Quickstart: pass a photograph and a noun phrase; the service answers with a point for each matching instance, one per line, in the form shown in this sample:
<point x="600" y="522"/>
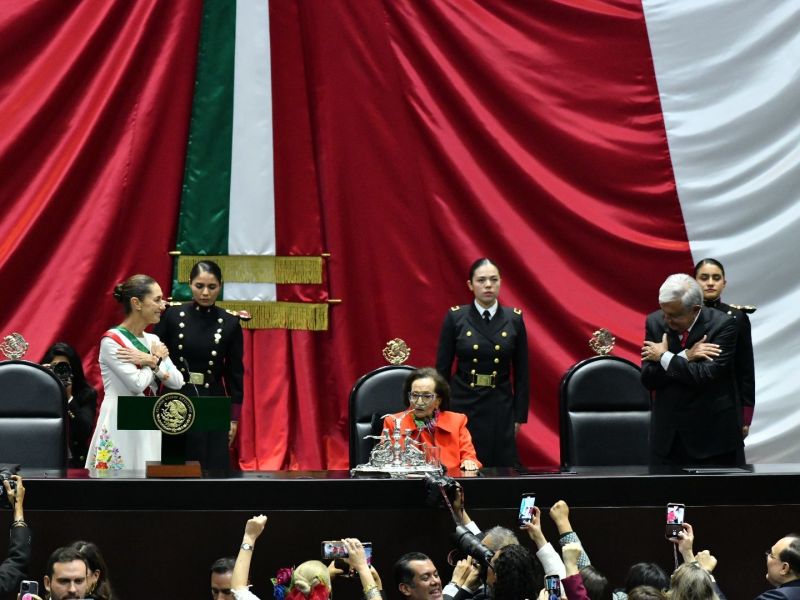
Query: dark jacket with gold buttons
<point x="210" y="341"/>
<point x="489" y="357"/>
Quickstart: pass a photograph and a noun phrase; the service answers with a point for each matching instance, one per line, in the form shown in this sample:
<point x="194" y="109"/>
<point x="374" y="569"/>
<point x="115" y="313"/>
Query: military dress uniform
<point x="487" y="356"/>
<point x="208" y="340"/>
<point x="743" y="363"/>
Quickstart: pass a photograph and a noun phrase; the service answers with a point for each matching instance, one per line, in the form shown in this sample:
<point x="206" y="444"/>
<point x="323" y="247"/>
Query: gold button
<point x="496" y="360"/>
<point x="472" y="372"/>
<point x="504" y="334"/>
<point x="474" y="360"/>
<point x="180" y="346"/>
<point x="469" y="333"/>
<point x="497" y="347"/>
<point x="494" y="373"/>
<point x="180" y="336"/>
<point x="475" y="347"/>
<point x="211" y="362"/>
<point x="471" y="385"/>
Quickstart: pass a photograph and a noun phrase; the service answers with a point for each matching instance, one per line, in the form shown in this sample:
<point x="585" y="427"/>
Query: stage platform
<point x="159" y="535"/>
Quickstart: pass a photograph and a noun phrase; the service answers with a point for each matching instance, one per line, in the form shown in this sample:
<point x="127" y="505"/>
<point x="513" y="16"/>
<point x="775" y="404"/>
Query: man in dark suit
<point x="687" y="362"/>
<point x="783" y="569"/>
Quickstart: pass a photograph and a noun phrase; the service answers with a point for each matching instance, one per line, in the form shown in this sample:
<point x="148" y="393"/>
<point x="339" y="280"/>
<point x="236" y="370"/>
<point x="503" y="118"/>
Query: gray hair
<point x="499" y="537"/>
<point x="683" y="287"/>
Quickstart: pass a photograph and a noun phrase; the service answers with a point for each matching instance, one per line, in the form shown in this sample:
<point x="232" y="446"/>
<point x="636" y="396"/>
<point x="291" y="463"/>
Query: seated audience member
<point x="67" y="575"/>
<point x="643" y="574"/>
<point x="13" y="568"/>
<point x="99" y="583"/>
<point x="427" y="394"/>
<point x="81" y="399"/>
<point x="691" y="582"/>
<point x="513" y="574"/>
<point x="417" y="577"/>
<point x="646" y="592"/>
<point x="596" y="584"/>
<point x="783" y="569"/>
<point x="221" y="573"/>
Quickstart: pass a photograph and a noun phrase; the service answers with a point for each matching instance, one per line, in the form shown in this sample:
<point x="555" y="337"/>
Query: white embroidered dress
<point x="112" y="448"/>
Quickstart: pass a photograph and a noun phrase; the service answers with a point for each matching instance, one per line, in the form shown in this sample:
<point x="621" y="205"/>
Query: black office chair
<point x="33" y="410"/>
<point x="605" y="414"/>
<point x="377" y="393"/>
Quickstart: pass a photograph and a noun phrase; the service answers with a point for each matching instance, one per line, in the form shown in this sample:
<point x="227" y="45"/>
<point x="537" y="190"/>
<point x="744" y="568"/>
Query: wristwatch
<point x="246" y="546"/>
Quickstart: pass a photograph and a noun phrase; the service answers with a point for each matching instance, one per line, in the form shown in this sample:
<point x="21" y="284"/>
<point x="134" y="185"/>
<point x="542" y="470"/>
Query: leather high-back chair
<point x="605" y="414"/>
<point x="33" y="409"/>
<point x="377" y="393"/>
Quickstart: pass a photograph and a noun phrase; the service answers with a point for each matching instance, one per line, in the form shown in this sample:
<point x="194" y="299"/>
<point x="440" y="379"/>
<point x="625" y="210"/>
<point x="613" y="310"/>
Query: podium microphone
<point x="189" y="373"/>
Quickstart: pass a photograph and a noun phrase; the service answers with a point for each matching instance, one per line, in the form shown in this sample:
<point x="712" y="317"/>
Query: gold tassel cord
<point x="281" y="315"/>
<point x="259" y="269"/>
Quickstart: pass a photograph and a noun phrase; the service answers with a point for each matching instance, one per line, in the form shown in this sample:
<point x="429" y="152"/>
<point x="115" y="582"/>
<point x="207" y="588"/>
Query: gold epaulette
<point x="517" y="311"/>
<point x="242" y="315"/>
<point x="745" y="308"/>
<point x="455" y="308"/>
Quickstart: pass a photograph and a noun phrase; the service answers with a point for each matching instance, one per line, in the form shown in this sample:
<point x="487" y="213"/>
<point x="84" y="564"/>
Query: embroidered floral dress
<point x="111" y="448"/>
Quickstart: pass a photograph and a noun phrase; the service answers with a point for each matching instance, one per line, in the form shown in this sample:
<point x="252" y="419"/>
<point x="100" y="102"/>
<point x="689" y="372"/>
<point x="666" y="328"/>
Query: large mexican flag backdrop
<point x="589" y="148"/>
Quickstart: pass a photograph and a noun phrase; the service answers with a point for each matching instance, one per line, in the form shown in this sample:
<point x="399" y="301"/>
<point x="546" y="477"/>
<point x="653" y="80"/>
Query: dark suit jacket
<point x="788" y="591"/>
<point x="694" y="401"/>
<point x="12" y="571"/>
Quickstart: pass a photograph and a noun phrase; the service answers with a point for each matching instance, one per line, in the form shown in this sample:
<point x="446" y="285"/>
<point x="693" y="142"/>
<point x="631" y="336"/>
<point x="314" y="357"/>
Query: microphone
<point x="188" y="372"/>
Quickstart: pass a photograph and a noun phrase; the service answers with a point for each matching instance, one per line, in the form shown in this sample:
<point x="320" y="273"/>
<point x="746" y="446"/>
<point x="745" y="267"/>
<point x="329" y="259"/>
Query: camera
<point x="435" y="485"/>
<point x="468" y="544"/>
<point x="5" y="475"/>
<point x="63" y="371"/>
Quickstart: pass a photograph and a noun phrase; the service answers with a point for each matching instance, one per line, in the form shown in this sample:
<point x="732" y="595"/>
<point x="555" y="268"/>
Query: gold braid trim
<point x="281" y="315"/>
<point x="259" y="269"/>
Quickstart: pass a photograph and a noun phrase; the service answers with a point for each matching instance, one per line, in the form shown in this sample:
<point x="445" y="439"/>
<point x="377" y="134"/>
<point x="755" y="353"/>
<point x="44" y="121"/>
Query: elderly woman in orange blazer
<point x="427" y="394"/>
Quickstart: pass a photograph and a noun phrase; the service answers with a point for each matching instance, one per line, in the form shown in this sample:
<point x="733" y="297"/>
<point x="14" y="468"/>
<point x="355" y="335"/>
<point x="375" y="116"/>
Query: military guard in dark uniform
<point x="205" y="343"/>
<point x="710" y="274"/>
<point x="490" y="345"/>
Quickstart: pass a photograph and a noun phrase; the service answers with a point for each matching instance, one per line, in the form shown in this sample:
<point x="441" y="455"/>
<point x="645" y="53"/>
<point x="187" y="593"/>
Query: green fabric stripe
<point x="203" y="218"/>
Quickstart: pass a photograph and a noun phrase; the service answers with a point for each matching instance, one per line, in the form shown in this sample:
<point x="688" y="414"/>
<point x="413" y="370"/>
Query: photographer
<point x="12" y="571"/>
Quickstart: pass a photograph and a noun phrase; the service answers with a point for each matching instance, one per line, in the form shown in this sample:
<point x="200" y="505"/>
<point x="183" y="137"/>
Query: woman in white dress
<point x="132" y="363"/>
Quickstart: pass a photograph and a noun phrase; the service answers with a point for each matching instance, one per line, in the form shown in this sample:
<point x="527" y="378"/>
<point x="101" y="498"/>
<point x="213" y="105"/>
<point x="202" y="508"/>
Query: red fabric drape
<point x="440" y="132"/>
<point x="94" y="105"/>
<point x="410" y="138"/>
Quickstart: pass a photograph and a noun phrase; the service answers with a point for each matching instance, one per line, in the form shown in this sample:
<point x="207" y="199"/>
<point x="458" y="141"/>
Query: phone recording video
<point x="526" y="508"/>
<point x="28" y="588"/>
<point x="675" y="515"/>
<point x="335" y="550"/>
<point x="553" y="586"/>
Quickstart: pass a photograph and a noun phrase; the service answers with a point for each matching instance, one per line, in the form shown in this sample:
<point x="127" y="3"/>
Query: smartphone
<point x="675" y="514"/>
<point x="553" y="586"/>
<point x="526" y="508"/>
<point x="28" y="587"/>
<point x="334" y="549"/>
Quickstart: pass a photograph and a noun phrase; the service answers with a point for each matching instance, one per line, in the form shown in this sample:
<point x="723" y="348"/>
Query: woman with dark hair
<point x="206" y="343"/>
<point x="99" y="585"/>
<point x="81" y="399"/>
<point x="710" y="274"/>
<point x="132" y="362"/>
<point x="427" y="396"/>
<point x="513" y="575"/>
<point x="490" y="384"/>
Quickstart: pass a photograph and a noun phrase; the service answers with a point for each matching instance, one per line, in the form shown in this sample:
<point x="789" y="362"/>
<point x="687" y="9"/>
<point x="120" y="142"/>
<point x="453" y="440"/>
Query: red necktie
<point x="684" y="338"/>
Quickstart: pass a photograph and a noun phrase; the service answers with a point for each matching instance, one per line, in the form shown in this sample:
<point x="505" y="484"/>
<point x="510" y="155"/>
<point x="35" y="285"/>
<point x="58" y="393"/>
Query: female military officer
<point x="205" y="342"/>
<point x="490" y="384"/>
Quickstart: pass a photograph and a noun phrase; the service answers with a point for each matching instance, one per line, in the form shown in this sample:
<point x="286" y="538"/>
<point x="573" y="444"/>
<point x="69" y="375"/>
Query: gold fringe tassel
<point x="281" y="315"/>
<point x="259" y="269"/>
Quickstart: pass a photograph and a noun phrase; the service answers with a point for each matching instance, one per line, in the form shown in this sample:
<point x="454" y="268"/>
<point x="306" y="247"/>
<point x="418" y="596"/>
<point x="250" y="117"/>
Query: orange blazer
<point x="451" y="436"/>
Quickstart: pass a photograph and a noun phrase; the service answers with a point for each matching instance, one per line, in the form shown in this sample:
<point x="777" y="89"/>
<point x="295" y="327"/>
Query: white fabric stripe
<point x="251" y="224"/>
<point x="728" y="74"/>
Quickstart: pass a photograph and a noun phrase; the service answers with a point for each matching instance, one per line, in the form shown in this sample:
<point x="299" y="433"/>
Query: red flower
<point x="283" y="576"/>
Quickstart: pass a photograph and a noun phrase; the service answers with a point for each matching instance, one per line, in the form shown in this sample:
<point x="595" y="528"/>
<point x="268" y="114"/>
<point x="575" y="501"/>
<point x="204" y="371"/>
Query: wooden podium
<point x="211" y="413"/>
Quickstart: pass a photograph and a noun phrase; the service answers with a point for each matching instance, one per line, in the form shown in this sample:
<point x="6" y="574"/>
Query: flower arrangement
<point x="281" y="582"/>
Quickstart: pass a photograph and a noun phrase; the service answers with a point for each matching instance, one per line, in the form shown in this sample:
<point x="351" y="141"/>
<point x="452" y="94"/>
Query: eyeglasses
<point x="426" y="398"/>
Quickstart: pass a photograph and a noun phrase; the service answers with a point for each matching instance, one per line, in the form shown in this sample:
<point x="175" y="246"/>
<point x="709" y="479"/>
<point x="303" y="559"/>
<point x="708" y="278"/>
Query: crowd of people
<point x="497" y="564"/>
